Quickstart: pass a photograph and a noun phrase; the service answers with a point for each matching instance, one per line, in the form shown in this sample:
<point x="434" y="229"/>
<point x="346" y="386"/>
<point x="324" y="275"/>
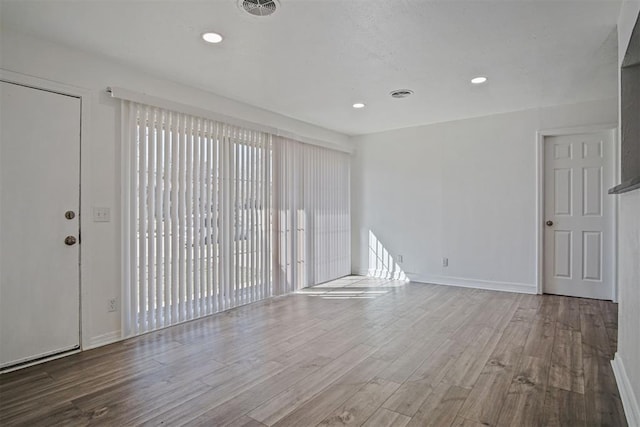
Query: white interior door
<point x="578" y="238"/>
<point x="39" y="183"/>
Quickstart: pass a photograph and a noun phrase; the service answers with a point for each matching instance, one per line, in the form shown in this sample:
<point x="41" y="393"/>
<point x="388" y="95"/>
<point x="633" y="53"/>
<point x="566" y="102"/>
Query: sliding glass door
<point x="216" y="216"/>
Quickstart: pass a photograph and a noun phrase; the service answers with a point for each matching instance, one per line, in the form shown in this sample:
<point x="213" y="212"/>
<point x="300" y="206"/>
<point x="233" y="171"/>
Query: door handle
<point x="69" y="240"/>
<point x="549" y="223"/>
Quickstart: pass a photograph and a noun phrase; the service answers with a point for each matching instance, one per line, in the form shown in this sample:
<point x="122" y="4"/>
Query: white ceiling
<point x="314" y="58"/>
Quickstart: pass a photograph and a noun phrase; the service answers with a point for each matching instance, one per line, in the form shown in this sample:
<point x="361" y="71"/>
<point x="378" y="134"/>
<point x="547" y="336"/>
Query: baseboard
<point x="386" y="274"/>
<point x="104" y="339"/>
<point x="521" y="288"/>
<point x="627" y="395"/>
<point x="39" y="361"/>
<point x="381" y="274"/>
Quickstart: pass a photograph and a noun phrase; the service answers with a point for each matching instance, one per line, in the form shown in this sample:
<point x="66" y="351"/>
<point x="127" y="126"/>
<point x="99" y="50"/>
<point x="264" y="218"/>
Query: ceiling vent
<point x="259" y="7"/>
<point x="401" y="93"/>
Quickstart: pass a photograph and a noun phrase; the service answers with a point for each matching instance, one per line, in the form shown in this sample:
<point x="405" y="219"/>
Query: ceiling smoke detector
<point x="401" y="93"/>
<point x="259" y="7"/>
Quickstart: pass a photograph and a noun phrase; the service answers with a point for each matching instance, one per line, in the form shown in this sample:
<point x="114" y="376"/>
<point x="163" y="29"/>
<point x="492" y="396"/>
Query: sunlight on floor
<point x="353" y="287"/>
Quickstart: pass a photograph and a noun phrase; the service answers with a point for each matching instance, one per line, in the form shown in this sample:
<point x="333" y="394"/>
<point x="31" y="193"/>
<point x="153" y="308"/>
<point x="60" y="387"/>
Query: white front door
<point x="578" y="238"/>
<point x="39" y="184"/>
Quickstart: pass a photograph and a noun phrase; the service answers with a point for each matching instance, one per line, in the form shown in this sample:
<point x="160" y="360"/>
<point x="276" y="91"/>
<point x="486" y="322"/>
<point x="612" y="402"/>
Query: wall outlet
<point x="112" y="305"/>
<point x="445" y="262"/>
<point x="399" y="259"/>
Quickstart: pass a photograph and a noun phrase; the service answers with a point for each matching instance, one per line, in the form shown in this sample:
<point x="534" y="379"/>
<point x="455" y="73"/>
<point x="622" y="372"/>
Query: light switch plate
<point x="101" y="214"/>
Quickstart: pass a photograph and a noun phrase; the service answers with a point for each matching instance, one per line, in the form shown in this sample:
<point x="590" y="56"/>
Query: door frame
<point x="85" y="118"/>
<point x="540" y="165"/>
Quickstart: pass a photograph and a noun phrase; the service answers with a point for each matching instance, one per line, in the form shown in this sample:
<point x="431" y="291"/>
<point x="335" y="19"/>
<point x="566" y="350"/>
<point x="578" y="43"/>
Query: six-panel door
<point x="578" y="249"/>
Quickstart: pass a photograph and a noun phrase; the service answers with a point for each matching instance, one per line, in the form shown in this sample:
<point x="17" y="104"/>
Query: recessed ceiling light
<point x="212" y="37"/>
<point x="478" y="80"/>
<point x="358" y="105"/>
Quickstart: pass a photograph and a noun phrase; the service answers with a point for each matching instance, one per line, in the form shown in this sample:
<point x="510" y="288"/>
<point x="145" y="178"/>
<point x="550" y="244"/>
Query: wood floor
<point x="354" y="352"/>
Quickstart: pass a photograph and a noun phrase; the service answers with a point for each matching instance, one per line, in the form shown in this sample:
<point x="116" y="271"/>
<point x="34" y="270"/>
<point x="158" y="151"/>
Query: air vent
<point x="259" y="7"/>
<point x="401" y="93"/>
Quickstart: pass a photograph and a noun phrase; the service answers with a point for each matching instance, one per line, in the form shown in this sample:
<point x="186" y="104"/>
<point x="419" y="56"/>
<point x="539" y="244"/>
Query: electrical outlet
<point x="399" y="259"/>
<point x="445" y="262"/>
<point x="112" y="305"/>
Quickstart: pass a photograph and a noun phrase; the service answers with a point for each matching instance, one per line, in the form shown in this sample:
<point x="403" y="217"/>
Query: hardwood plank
<point x="362" y="404"/>
<point x="326" y="401"/>
<point x="139" y="410"/>
<point x="286" y="402"/>
<point x="409" y="361"/>
<point x="569" y="314"/>
<point x="124" y="400"/>
<point x="222" y="388"/>
<point x="226" y="411"/>
<point x="503" y="308"/>
<point x="549" y="306"/>
<point x="65" y="414"/>
<point x="524" y="402"/>
<point x="245" y="421"/>
<point x="30" y="406"/>
<point x="386" y="418"/>
<point x="563" y="408"/>
<point x="24" y="386"/>
<point x="240" y="373"/>
<point x="409" y="397"/>
<point x="439" y="362"/>
<point x="530" y="301"/>
<point x="540" y="340"/>
<point x="595" y="341"/>
<point x="30" y="377"/>
<point x="487" y="395"/>
<point x="466" y="369"/>
<point x="441" y="407"/>
<point x="412" y="393"/>
<point x="602" y="399"/>
<point x="566" y="371"/>
<point x="463" y="422"/>
<point x="609" y="312"/>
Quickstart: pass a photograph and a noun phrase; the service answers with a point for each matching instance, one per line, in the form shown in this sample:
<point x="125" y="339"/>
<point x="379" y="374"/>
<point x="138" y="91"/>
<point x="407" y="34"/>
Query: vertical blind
<point x="312" y="216"/>
<point x="216" y="216"/>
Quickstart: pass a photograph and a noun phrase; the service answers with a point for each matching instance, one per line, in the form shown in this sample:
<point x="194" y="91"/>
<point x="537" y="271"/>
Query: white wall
<point x="627" y="361"/>
<point x="465" y="190"/>
<point x="101" y="177"/>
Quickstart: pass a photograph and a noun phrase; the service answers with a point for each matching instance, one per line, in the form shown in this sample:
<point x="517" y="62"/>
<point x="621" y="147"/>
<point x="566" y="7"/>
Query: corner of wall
<point x="488" y="285"/>
<point x="102" y="340"/>
<point x="627" y="395"/>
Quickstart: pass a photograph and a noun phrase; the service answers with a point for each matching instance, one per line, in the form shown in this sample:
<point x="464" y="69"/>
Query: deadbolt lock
<point x="70" y="241"/>
<point x="69" y="214"/>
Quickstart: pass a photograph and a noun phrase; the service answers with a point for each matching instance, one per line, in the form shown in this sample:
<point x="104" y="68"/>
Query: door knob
<point x="70" y="241"/>
<point x="549" y="223"/>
